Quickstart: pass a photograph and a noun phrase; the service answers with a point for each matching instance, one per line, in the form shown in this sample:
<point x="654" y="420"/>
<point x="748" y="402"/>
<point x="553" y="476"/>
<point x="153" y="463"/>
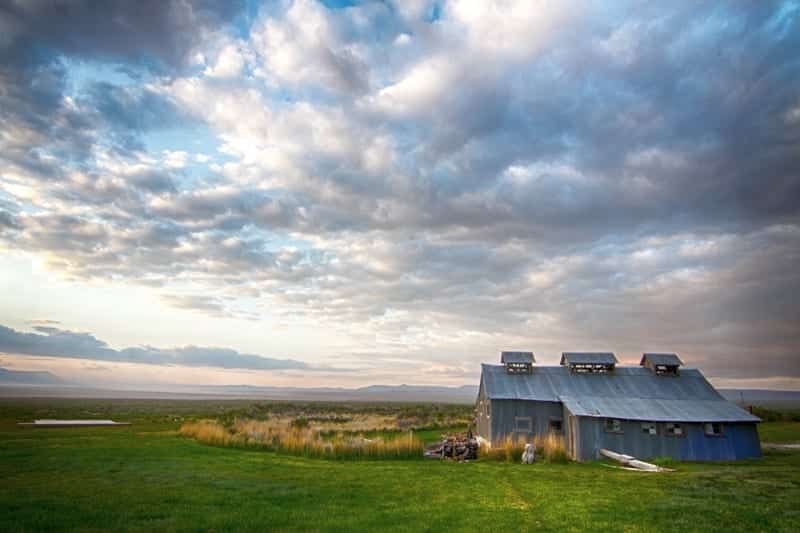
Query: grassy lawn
<point x="780" y="432"/>
<point x="144" y="478"/>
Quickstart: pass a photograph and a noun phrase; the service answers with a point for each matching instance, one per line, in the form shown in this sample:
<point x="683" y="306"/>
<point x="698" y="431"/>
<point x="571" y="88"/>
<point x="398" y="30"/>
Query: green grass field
<point x="146" y="478"/>
<point x="780" y="432"/>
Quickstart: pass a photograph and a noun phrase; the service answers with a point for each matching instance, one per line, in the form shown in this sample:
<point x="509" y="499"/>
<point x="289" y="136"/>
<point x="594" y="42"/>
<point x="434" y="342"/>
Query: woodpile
<point x="460" y="447"/>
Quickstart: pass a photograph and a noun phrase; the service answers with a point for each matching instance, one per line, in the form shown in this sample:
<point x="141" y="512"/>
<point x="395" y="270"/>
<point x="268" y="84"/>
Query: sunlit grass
<point x="144" y="477"/>
<point x="302" y="440"/>
<point x="550" y="448"/>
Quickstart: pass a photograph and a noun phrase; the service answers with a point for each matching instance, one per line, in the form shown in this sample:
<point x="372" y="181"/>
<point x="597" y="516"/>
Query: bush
<point x="300" y="422"/>
<point x="770" y="415"/>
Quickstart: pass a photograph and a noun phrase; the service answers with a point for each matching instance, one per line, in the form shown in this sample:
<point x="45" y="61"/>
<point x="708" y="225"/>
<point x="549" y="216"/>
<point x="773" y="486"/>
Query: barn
<point x="655" y="409"/>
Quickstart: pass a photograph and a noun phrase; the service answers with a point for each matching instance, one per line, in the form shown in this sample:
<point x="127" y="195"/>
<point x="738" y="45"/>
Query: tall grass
<point x="301" y="440"/>
<point x="211" y="432"/>
<point x="549" y="448"/>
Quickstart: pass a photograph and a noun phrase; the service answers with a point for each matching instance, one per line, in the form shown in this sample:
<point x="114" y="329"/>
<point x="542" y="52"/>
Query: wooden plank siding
<point x="505" y="412"/>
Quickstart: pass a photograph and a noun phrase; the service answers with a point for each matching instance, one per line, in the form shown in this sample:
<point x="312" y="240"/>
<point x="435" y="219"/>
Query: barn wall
<point x="505" y="411"/>
<point x="483" y="427"/>
<point x="570" y="429"/>
<point x="738" y="442"/>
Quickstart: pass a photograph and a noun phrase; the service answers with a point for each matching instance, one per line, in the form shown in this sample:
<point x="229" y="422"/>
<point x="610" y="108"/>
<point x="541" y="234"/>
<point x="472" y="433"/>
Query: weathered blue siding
<point x="482" y="408"/>
<point x="504" y="412"/>
<point x="739" y="441"/>
<point x="636" y="396"/>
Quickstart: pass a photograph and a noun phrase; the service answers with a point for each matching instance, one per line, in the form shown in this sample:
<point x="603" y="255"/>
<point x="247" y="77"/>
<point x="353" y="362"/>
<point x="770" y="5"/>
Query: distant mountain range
<point x="30" y="384"/>
<point x="44" y="384"/>
<point x="17" y="377"/>
<point x="763" y="398"/>
<point x="388" y="393"/>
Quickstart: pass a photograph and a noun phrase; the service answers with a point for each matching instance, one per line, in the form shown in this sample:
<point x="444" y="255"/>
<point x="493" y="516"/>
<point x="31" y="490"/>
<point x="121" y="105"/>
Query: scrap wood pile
<point x="461" y="447"/>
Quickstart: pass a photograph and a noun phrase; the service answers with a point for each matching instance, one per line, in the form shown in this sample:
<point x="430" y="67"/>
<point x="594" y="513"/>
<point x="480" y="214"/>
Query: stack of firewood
<point x="461" y="447"/>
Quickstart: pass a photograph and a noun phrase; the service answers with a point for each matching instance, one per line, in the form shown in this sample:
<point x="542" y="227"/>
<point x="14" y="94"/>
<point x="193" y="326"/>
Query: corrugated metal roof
<point x="669" y="359"/>
<point x="658" y="410"/>
<point x="595" y="358"/>
<point x="517" y="357"/>
<point x="623" y="386"/>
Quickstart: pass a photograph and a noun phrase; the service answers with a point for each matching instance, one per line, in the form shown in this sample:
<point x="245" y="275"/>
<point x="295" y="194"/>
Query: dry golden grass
<point x="280" y="436"/>
<point x="353" y="423"/>
<point x="209" y="431"/>
<point x="549" y="448"/>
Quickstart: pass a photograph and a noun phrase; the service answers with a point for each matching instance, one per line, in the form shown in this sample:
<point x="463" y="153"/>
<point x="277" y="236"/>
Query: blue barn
<point x="655" y="409"/>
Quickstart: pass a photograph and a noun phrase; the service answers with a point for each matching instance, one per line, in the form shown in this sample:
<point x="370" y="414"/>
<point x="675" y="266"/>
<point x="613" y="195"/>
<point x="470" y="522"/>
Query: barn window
<point x="649" y="428"/>
<point x="613" y="425"/>
<point x="591" y="368"/>
<point x="713" y="429"/>
<point x="519" y="368"/>
<point x="555" y="425"/>
<point x="523" y="424"/>
<point x="666" y="370"/>
<point x="674" y="430"/>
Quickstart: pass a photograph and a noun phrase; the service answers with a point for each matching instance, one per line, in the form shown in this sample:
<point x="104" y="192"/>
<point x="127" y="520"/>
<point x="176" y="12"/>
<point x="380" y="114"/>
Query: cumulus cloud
<point x="304" y="46"/>
<point x="429" y="178"/>
<point x="165" y="31"/>
<point x="55" y="342"/>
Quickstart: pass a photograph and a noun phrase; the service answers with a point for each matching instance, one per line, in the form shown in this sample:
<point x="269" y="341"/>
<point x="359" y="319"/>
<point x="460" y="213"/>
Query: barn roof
<point x="668" y="359"/>
<point x="517" y="357"/>
<point x="594" y="358"/>
<point x="658" y="410"/>
<point x="637" y="389"/>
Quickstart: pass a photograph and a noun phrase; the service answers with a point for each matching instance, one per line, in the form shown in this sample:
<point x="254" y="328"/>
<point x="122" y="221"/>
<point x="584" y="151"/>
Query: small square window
<point x="555" y="425"/>
<point x="713" y="429"/>
<point x="649" y="428"/>
<point x="519" y="368"/>
<point x="523" y="424"/>
<point x="613" y="425"/>
<point x="674" y="430"/>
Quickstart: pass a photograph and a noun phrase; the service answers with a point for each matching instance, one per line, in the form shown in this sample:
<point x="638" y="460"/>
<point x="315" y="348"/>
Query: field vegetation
<point x="330" y="430"/>
<point x="148" y="477"/>
<point x="311" y="431"/>
<point x="549" y="449"/>
<point x="279" y="436"/>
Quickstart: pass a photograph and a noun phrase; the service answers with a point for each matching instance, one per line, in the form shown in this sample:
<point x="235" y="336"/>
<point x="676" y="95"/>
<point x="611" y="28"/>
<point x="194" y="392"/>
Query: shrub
<point x="771" y="415"/>
<point x="300" y="422"/>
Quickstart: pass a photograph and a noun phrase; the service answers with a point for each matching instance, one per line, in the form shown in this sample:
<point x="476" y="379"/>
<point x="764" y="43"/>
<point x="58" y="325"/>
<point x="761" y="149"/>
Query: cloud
<point x="55" y="342"/>
<point x="164" y="31"/>
<point x="304" y="46"/>
<point x="427" y="179"/>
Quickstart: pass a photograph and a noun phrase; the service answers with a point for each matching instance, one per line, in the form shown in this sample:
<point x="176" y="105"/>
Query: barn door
<point x="573" y="438"/>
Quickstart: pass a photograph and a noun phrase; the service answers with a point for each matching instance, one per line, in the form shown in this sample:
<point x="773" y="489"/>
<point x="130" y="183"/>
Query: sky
<point x="349" y="193"/>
